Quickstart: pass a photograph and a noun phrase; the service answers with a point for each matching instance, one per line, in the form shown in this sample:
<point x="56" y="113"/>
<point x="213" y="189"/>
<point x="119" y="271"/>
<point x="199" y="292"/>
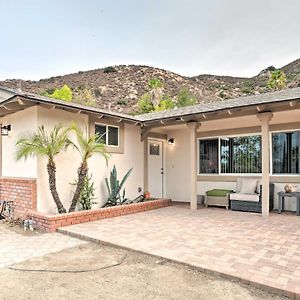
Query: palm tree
<point x="43" y="144"/>
<point x="277" y="80"/>
<point x="156" y="88"/>
<point x="86" y="146"/>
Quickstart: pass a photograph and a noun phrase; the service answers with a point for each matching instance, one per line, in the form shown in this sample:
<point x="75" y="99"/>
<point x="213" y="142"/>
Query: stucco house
<point x="178" y="153"/>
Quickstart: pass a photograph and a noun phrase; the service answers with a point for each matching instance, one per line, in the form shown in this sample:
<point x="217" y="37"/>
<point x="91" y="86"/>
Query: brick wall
<point x="22" y="192"/>
<point x="52" y="222"/>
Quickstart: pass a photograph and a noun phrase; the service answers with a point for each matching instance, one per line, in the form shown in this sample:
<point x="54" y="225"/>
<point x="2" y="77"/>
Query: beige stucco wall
<point x="20" y="122"/>
<point x="132" y="157"/>
<point x="68" y="162"/>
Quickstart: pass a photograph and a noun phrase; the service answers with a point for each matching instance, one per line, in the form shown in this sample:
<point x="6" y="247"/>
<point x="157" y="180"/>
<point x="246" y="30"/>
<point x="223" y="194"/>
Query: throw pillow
<point x="248" y="186"/>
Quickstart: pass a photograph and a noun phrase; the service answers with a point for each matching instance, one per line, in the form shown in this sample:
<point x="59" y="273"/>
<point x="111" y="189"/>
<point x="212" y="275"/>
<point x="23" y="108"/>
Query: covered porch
<point x="270" y="127"/>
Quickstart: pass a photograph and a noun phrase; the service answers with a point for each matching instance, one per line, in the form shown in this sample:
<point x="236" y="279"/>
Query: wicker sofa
<point x="241" y="203"/>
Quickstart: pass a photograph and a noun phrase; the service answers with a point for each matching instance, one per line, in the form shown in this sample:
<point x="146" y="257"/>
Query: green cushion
<point x="218" y="192"/>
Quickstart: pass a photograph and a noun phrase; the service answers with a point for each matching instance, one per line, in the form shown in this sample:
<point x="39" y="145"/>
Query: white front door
<point x="155" y="168"/>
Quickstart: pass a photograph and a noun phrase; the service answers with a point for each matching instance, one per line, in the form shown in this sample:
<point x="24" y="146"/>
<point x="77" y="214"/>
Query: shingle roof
<point x="271" y="97"/>
<point x="46" y="100"/>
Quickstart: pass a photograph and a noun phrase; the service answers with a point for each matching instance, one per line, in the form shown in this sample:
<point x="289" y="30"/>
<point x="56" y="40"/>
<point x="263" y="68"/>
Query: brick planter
<point x="22" y="191"/>
<point x="51" y="222"/>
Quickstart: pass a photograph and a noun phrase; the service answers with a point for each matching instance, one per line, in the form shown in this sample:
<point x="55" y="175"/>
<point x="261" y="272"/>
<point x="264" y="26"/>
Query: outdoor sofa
<point x="250" y="198"/>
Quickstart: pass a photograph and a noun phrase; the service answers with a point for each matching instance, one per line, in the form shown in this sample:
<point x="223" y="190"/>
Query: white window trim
<point x="106" y="133"/>
<point x="219" y="155"/>
<point x="242" y="174"/>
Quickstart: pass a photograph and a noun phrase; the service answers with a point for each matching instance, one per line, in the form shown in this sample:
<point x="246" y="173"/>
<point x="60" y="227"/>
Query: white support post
<point x="265" y="139"/>
<point x="193" y="126"/>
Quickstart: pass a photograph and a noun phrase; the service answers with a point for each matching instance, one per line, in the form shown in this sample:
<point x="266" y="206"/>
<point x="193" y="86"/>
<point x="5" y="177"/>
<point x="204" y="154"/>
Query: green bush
<point x="87" y="195"/>
<point x="247" y="90"/>
<point x="97" y="92"/>
<point x="64" y="93"/>
<point x="123" y="102"/>
<point x="165" y="103"/>
<point x="145" y="105"/>
<point x="109" y="70"/>
<point x="184" y="98"/>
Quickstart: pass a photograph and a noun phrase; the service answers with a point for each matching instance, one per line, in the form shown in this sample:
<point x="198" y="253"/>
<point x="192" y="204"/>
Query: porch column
<point x="265" y="139"/>
<point x="192" y="126"/>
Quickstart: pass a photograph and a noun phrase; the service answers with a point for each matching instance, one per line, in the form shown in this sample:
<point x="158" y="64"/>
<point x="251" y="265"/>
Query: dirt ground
<point x="96" y="271"/>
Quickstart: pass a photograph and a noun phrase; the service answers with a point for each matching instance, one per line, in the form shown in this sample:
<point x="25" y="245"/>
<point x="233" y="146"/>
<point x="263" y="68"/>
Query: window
<point x="208" y="152"/>
<point x="230" y="155"/>
<point x="285" y="152"/>
<point x="241" y="154"/>
<point x="108" y="134"/>
<point x="154" y="149"/>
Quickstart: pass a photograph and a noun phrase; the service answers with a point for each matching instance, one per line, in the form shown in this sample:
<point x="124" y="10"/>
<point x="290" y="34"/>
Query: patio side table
<point x="281" y="200"/>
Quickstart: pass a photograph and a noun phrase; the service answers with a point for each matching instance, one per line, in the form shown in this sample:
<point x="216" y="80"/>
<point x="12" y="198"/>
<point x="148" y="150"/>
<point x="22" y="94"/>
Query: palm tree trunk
<point x="82" y="172"/>
<point x="51" y="168"/>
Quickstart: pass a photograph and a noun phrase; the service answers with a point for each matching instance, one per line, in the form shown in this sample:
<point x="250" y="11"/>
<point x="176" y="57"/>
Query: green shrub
<point x="247" y="90"/>
<point x="87" y="194"/>
<point x="109" y="70"/>
<point x="222" y="94"/>
<point x="165" y="103"/>
<point x="122" y="102"/>
<point x="184" y="98"/>
<point x="97" y="92"/>
<point x="64" y="93"/>
<point x="145" y="105"/>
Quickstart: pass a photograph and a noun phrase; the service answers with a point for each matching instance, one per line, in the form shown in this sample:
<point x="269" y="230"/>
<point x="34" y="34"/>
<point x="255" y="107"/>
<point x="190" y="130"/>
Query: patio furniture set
<point x="247" y="197"/>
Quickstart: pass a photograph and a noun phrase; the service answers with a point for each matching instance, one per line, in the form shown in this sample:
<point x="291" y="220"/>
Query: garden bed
<point x="50" y="223"/>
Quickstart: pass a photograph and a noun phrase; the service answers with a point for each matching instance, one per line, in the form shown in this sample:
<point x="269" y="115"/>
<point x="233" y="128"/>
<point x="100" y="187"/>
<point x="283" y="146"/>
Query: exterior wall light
<point x="170" y="141"/>
<point x="5" y="130"/>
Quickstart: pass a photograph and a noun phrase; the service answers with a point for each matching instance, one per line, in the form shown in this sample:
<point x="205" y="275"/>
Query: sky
<point x="40" y="39"/>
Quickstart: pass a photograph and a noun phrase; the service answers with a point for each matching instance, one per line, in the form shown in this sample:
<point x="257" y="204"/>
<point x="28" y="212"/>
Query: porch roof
<point x="13" y="100"/>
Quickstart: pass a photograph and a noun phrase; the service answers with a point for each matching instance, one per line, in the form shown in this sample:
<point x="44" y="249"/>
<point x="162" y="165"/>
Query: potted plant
<point x="147" y="194"/>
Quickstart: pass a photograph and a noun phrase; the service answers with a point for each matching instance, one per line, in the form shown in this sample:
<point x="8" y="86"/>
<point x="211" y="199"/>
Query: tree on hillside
<point x="145" y="105"/>
<point x="277" y="80"/>
<point x="156" y="90"/>
<point x="184" y="98"/>
<point x="64" y="93"/>
<point x="165" y="103"/>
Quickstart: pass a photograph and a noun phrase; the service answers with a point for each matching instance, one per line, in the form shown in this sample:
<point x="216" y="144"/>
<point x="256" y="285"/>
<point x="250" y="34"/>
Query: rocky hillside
<point x="119" y="88"/>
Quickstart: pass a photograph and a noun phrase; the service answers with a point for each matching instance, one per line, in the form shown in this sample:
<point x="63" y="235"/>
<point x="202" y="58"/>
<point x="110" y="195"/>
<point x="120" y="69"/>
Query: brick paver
<point x="15" y="248"/>
<point x="263" y="251"/>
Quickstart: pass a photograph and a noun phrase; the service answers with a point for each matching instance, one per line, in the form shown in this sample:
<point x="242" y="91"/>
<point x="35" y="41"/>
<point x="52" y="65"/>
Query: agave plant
<point x="114" y="187"/>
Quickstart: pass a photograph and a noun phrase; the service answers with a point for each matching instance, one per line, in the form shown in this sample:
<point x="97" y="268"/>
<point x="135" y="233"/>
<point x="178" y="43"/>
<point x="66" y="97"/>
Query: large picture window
<point x="241" y="154"/>
<point x="285" y="152"/>
<point x="230" y="155"/>
<point x="108" y="134"/>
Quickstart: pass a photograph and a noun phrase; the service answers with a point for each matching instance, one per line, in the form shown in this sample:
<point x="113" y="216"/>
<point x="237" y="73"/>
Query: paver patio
<point x="15" y="247"/>
<point x="262" y="251"/>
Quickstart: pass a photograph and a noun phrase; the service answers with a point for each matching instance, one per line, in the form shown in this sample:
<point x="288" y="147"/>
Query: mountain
<point x="118" y="88"/>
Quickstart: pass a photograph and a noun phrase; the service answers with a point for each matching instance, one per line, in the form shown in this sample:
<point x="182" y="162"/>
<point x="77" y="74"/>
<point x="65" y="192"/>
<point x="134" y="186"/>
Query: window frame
<point x="219" y="155"/>
<point x="271" y="154"/>
<point x="106" y="133"/>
